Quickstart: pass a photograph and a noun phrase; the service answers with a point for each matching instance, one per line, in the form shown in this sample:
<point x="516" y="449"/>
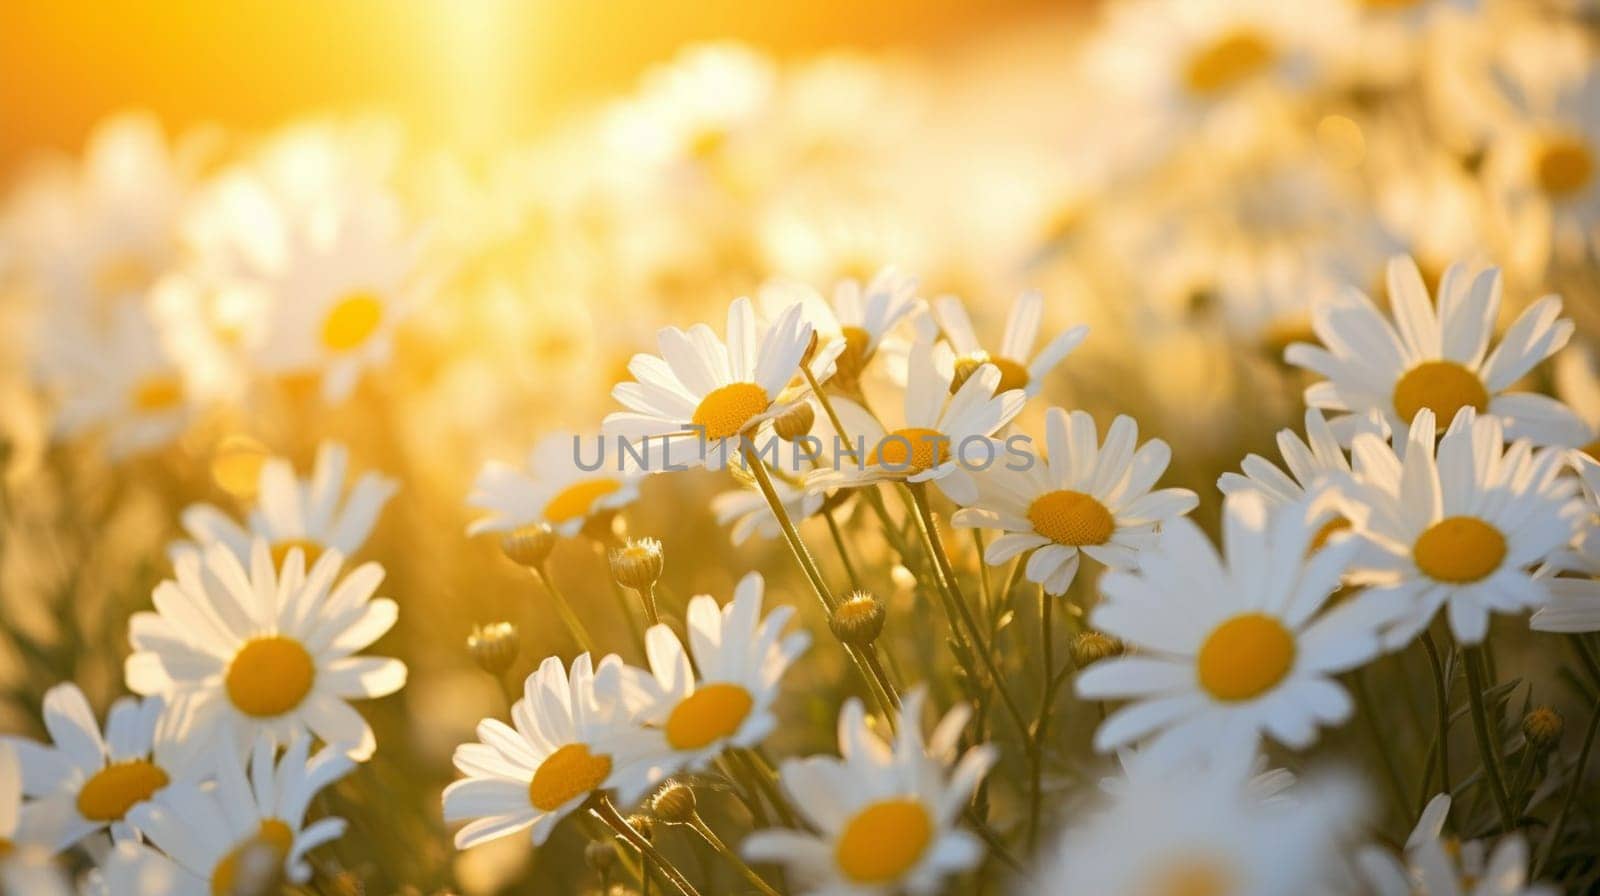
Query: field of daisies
<point x="1152" y="452"/>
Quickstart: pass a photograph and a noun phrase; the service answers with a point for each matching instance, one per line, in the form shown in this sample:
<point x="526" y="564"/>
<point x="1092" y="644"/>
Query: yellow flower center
<point x="884" y="841"/>
<point x="569" y="772"/>
<point x="857" y="351"/>
<point x="122" y="275"/>
<point x="1199" y="876"/>
<point x="1071" y="518"/>
<point x="726" y="410"/>
<point x="1563" y="166"/>
<point x="1444" y="386"/>
<point x="280" y="551"/>
<point x="351" y="321"/>
<point x="236" y="465"/>
<point x="270" y="676"/>
<point x="1592" y="449"/>
<point x="160" y="392"/>
<point x="263" y="852"/>
<point x="1329" y="529"/>
<point x="1013" y="375"/>
<point x="576" y="499"/>
<point x="1459" y="549"/>
<point x="1227" y="62"/>
<point x="113" y="790"/>
<point x="911" y="450"/>
<point x="709" y="714"/>
<point x="1245" y="657"/>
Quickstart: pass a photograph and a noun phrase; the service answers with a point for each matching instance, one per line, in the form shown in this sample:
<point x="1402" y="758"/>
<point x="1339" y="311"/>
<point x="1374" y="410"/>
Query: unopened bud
<point x="859" y="620"/>
<point x="529" y="545"/>
<point x="1542" y="726"/>
<point x="1092" y="647"/>
<point x="674" y="803"/>
<point x="494" y="646"/>
<point x="795" y="422"/>
<point x="637" y="564"/>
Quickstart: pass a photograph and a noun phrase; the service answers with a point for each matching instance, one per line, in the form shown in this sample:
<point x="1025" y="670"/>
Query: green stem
<point x="1476" y="686"/>
<point x="1441" y="698"/>
<point x="607" y="813"/>
<point x="1041" y="725"/>
<point x="844" y="554"/>
<point x="1578" y="773"/>
<point x="564" y="610"/>
<point x="706" y="833"/>
<point x="765" y="778"/>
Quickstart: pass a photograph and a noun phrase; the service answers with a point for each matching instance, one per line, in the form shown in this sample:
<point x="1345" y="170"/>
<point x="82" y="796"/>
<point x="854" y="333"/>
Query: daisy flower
<point x="553" y="488"/>
<point x="1436" y="359"/>
<point x="944" y="434"/>
<point x="313" y="514"/>
<point x="861" y="316"/>
<point x="86" y="782"/>
<point x="26" y="847"/>
<point x="1019" y="366"/>
<point x="884" y="814"/>
<point x="1544" y="162"/>
<point x="248" y="826"/>
<point x="702" y="392"/>
<point x="1084" y="497"/>
<point x="1437" y="866"/>
<point x="134" y="869"/>
<point x="1577" y="382"/>
<point x="575" y="736"/>
<point x="1574" y="604"/>
<point x="1226" y="649"/>
<point x="1308" y="464"/>
<point x="266" y="651"/>
<point x="1174" y="831"/>
<point x="1458" y="526"/>
<point x="740" y="657"/>
<point x="746" y="511"/>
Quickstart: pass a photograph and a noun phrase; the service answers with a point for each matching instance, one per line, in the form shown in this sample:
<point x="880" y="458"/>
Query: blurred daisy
<point x="1308" y="464"/>
<point x="1173" y="831"/>
<point x="1577" y="382"/>
<point x="1544" y="163"/>
<point x="1083" y="497"/>
<point x="1435" y="358"/>
<point x="134" y="869"/>
<point x="702" y="392"/>
<point x="1236" y="647"/>
<point x="1019" y="367"/>
<point x="266" y="652"/>
<point x="943" y="437"/>
<point x="1437" y="866"/>
<point x="1574" y="604"/>
<point x="553" y="488"/>
<point x="1459" y="528"/>
<point x="740" y="657"/>
<point x="248" y="829"/>
<point x="84" y="782"/>
<point x="314" y="514"/>
<point x="575" y="736"/>
<point x="885" y="815"/>
<point x="27" y="847"/>
<point x="746" y="511"/>
<point x="861" y="316"/>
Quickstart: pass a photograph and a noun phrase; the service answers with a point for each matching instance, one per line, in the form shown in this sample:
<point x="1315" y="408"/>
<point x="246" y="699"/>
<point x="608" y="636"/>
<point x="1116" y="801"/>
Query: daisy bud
<point x="637" y="564"/>
<point x="1543" y="726"/>
<point x="600" y="856"/>
<point x="494" y="646"/>
<point x="1091" y="647"/>
<point x="795" y="422"/>
<point x="674" y="803"/>
<point x="859" y="620"/>
<point x="529" y="545"/>
<point x="644" y="824"/>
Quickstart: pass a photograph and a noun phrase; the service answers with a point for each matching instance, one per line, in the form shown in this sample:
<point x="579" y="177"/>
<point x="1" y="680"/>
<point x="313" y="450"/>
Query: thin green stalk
<point x="607" y="813"/>
<point x="766" y="780"/>
<point x="1576" y="785"/>
<point x="1441" y="698"/>
<point x="1476" y="685"/>
<point x="565" y="611"/>
<point x="1369" y="709"/>
<point x="844" y="554"/>
<point x="1587" y="658"/>
<point x="1042" y="723"/>
<point x="706" y="833"/>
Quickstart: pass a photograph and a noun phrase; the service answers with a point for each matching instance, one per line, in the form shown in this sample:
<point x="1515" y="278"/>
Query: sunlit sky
<point x="470" y="73"/>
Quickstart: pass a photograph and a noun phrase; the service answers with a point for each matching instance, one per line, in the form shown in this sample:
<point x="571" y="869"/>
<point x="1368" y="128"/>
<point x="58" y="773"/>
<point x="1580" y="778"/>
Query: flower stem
<point x="1573" y="787"/>
<point x="706" y="833"/>
<point x="607" y="813"/>
<point x="1441" y="698"/>
<point x="1486" y="747"/>
<point x="564" y="610"/>
<point x="1041" y="725"/>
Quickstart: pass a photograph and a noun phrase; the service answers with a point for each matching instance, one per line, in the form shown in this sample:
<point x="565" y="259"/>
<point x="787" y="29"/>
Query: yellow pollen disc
<point x="236" y="465"/>
<point x="1012" y="375"/>
<point x="1071" y="518"/>
<point x="726" y="410"/>
<point x="270" y="676"/>
<point x="1592" y="449"/>
<point x="1228" y="61"/>
<point x="1563" y="166"/>
<point x="280" y="551"/>
<point x="122" y="275"/>
<point x="1459" y="549"/>
<point x="884" y="841"/>
<point x="351" y="321"/>
<point x="1329" y="529"/>
<point x="157" y="393"/>
<point x="1201" y="876"/>
<point x="113" y="790"/>
<point x="1444" y="386"/>
<point x="1245" y="657"/>
<point x="711" y="713"/>
<point x="911" y="450"/>
<point x="569" y="772"/>
<point x="575" y="500"/>
<point x="273" y="841"/>
<point x="857" y="351"/>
